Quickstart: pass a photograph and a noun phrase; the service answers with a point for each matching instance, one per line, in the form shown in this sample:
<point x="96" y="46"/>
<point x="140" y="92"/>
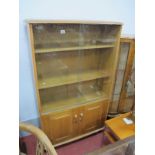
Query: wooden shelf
<point x="78" y="47"/>
<point x="71" y="78"/>
<point x="70" y="102"/>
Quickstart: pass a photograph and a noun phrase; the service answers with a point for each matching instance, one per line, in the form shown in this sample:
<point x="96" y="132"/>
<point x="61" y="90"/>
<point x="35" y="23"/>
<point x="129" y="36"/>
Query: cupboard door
<point x="81" y="125"/>
<point x="58" y="126"/>
<point x="76" y="123"/>
<point x="93" y="116"/>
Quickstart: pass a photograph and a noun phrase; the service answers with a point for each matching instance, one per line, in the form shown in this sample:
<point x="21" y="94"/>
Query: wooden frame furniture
<point x="123" y="95"/>
<point x="74" y="66"/>
<point x="117" y="129"/>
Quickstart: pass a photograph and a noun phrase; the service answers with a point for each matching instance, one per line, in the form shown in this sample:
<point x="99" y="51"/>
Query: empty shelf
<point x="57" y="49"/>
<point x="70" y="102"/>
<point x="71" y="78"/>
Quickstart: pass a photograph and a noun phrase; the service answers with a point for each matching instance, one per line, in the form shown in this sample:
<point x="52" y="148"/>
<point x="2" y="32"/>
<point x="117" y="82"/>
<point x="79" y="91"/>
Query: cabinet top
<point x="73" y="22"/>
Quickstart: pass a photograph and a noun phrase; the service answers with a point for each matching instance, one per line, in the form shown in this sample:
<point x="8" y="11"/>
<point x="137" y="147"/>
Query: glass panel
<point x="130" y="91"/>
<point x="70" y="95"/>
<point x="123" y="56"/>
<point x="60" y="37"/>
<point x="55" y="35"/>
<point x="119" y="80"/>
<point x="74" y="62"/>
<point x="116" y="97"/>
<point x="56" y="69"/>
<point x="131" y="82"/>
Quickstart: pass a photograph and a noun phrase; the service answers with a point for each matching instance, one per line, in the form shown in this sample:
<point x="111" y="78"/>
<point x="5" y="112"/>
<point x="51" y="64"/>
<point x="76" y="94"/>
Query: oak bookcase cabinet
<point x="74" y="68"/>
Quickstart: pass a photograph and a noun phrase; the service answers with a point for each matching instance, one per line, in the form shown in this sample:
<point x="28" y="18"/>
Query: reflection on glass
<point x="120" y="75"/>
<point x="73" y="35"/>
<point x="75" y="62"/>
<point x="70" y="95"/>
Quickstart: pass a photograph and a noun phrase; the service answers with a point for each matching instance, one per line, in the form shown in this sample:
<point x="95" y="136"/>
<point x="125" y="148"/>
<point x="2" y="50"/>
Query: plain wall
<point x="106" y="10"/>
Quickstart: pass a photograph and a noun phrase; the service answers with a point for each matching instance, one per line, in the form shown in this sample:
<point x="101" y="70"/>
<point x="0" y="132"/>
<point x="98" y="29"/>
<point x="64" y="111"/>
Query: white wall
<point x="113" y="10"/>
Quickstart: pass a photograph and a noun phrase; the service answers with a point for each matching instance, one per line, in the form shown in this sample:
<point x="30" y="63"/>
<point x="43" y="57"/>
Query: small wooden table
<point x="119" y="128"/>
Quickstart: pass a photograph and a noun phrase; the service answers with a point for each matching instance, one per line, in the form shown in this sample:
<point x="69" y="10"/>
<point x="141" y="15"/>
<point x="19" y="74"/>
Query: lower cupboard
<point x="68" y="124"/>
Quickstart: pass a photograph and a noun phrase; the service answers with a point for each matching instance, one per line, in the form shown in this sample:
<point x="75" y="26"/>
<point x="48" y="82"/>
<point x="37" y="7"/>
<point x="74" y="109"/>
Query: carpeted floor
<point x="79" y="147"/>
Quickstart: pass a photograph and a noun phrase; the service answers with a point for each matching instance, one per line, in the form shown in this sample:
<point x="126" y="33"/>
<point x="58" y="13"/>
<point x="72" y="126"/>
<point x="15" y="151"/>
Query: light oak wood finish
<point x="119" y="128"/>
<point x="72" y="102"/>
<point x="74" y="68"/>
<point x="59" y="125"/>
<point x="31" y="40"/>
<point x="48" y="50"/>
<point x="44" y="142"/>
<point x="94" y="116"/>
<point x="79" y="137"/>
<point x="74" y="122"/>
<point x="72" y="78"/>
<point x="110" y="138"/>
<point x="32" y="21"/>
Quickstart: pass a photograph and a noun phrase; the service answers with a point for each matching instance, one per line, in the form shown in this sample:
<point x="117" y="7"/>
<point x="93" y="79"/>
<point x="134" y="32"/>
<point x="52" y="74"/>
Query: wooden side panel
<point x="105" y="105"/>
<point x="31" y="40"/>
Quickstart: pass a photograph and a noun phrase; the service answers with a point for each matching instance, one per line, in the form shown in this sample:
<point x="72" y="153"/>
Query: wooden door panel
<point x="75" y="121"/>
<point x="59" y="126"/>
<point x="71" y="123"/>
<point x="93" y="116"/>
<point x="81" y="111"/>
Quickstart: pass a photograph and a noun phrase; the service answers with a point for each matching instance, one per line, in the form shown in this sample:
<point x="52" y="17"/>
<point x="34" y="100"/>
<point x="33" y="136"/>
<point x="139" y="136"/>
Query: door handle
<point x="81" y="116"/>
<point x="75" y="118"/>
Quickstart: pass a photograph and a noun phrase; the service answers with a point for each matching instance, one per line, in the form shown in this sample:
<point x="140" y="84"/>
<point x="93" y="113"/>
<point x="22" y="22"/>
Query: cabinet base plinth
<point x="78" y="137"/>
